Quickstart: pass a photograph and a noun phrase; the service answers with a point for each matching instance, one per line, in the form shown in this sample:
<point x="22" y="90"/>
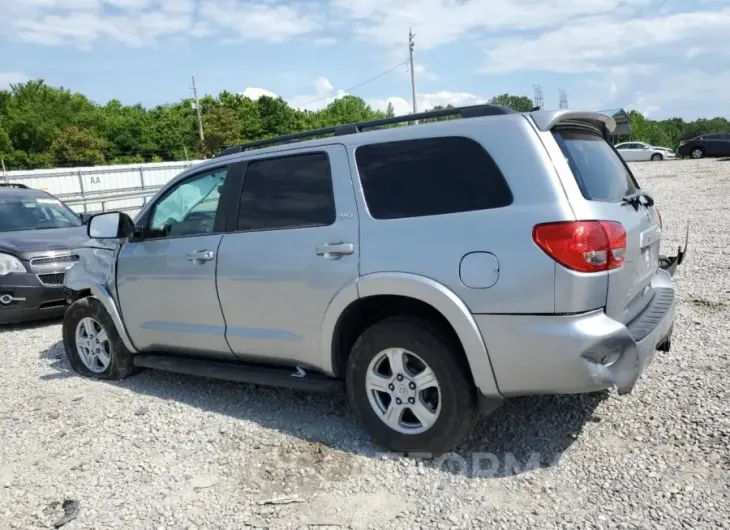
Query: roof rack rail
<point x="471" y="111"/>
<point x="14" y="185"/>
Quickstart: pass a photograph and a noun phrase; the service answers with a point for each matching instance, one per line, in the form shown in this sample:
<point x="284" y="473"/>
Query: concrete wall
<point x="90" y="182"/>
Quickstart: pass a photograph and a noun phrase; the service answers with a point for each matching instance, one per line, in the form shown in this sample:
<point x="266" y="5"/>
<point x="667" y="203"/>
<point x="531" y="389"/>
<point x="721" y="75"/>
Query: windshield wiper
<point x="638" y="198"/>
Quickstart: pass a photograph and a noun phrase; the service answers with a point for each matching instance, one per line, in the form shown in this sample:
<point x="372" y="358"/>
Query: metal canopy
<point x="622" y="119"/>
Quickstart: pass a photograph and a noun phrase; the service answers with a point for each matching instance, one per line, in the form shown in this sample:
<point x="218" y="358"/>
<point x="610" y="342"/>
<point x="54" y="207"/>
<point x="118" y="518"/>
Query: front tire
<point x="697" y="153"/>
<point x="93" y="346"/>
<point x="411" y="387"/>
<point x="657" y="157"/>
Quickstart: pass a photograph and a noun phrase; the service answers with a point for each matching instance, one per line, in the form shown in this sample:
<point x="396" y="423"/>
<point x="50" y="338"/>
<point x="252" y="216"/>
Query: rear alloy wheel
<point x="656" y="157"/>
<point x="411" y="387"/>
<point x="697" y="153"/>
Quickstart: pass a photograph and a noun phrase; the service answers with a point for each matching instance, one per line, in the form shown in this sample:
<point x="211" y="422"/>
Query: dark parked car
<point x="38" y="233"/>
<point x="711" y="144"/>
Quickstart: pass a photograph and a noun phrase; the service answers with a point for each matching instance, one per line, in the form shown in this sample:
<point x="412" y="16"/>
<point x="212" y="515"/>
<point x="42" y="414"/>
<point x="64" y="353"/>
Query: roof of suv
<point x="355" y="133"/>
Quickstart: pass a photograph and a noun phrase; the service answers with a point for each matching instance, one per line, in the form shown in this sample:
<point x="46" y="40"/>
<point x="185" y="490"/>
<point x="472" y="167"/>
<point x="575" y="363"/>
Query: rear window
<point x="599" y="171"/>
<point x="429" y="176"/>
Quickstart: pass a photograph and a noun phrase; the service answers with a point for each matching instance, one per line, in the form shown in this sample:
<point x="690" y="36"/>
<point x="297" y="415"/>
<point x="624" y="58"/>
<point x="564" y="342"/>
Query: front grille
<point x="54" y="279"/>
<point x="50" y="260"/>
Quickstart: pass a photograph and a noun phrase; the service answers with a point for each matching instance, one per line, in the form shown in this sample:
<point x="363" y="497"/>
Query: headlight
<point x="9" y="264"/>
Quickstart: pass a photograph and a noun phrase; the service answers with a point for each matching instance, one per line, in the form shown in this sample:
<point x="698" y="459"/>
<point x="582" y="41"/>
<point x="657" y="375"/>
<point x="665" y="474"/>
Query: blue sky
<point x="663" y="57"/>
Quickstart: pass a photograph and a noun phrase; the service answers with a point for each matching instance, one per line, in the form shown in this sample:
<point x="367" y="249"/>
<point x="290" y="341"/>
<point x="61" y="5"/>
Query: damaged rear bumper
<point x="580" y="353"/>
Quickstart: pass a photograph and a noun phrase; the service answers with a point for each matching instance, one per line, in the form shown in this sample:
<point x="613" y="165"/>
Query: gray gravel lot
<point x="166" y="451"/>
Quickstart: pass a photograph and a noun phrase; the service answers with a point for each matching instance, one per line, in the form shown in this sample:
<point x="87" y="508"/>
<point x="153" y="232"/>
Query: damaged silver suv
<point x="432" y="269"/>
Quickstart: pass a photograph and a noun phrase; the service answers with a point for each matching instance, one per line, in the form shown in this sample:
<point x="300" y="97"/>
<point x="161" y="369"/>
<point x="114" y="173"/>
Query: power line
<point x="381" y="74"/>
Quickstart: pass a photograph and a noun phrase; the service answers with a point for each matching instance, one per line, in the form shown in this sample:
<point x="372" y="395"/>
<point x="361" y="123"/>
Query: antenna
<point x="538" y="100"/>
<point x="563" y="99"/>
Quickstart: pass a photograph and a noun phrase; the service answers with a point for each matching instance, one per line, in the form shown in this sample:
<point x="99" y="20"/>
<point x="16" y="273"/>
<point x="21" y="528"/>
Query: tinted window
<point x="599" y="172"/>
<point x="714" y="136"/>
<point x="430" y="176"/>
<point x="289" y="192"/>
<point x="190" y="208"/>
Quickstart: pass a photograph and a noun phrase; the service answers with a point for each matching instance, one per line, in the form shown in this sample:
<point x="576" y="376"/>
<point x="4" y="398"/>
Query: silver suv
<point x="433" y="269"/>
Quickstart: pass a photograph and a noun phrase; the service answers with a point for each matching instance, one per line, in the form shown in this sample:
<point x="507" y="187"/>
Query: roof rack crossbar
<point x="14" y="185"/>
<point x="472" y="111"/>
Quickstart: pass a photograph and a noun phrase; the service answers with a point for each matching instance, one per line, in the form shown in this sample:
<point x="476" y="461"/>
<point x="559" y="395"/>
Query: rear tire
<point x="93" y="346"/>
<point x="448" y="419"/>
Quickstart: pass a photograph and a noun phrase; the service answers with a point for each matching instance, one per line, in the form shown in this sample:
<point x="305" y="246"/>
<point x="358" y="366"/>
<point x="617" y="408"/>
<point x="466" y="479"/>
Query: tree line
<point x="42" y="126"/>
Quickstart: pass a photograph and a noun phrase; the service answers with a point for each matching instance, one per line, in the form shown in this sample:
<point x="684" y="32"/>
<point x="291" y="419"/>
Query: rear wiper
<point x="635" y="199"/>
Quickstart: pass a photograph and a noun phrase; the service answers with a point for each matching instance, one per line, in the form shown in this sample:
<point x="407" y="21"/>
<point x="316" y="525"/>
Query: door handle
<point x="200" y="256"/>
<point x="335" y="250"/>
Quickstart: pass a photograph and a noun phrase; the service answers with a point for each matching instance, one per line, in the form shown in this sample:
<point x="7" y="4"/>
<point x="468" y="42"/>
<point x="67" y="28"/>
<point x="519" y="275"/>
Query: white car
<point x="641" y="152"/>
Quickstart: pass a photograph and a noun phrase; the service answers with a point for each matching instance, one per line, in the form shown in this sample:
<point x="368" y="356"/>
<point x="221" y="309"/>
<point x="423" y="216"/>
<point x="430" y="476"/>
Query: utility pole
<point x="563" y="99"/>
<point x="197" y="109"/>
<point x="413" y="71"/>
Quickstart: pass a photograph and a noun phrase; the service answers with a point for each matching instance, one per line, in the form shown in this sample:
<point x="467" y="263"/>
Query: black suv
<point x="711" y="144"/>
<point x="38" y="233"/>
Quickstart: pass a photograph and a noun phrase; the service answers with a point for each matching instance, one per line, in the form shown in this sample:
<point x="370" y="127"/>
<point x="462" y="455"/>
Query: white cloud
<point x="324" y="41"/>
<point x="437" y="22"/>
<point x="11" y="78"/>
<point x="594" y="43"/>
<point x="137" y="23"/>
<point x="426" y="101"/>
<point x="324" y="94"/>
<point x="255" y="93"/>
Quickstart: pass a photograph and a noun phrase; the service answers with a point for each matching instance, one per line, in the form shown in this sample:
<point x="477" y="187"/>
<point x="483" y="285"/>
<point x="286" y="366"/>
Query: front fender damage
<point x="93" y="275"/>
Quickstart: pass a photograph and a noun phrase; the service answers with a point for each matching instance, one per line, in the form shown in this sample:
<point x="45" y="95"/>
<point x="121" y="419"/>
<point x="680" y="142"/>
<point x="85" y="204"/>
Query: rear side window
<point x="429" y="176"/>
<point x="288" y="192"/>
<point x="600" y="172"/>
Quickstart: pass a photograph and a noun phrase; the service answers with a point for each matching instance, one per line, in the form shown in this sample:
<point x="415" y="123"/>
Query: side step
<point x="240" y="372"/>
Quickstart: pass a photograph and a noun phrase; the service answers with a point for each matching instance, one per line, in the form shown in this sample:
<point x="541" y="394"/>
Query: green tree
<point x="78" y="147"/>
<point x="517" y="103"/>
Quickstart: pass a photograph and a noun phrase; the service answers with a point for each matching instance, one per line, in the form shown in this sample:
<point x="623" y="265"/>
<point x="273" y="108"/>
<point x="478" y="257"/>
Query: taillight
<point x="584" y="246"/>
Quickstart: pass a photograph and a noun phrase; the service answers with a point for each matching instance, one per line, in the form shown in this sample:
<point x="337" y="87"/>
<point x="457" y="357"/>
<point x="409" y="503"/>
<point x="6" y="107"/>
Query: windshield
<point x="35" y="213"/>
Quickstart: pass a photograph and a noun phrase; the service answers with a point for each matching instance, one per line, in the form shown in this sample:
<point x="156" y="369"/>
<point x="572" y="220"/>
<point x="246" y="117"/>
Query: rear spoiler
<point x="547" y="119"/>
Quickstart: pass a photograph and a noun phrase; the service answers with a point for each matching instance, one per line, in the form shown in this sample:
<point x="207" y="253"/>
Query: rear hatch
<point x="609" y="192"/>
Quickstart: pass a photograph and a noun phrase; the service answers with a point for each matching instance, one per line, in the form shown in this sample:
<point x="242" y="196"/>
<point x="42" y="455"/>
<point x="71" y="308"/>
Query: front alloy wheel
<point x="92" y="344"/>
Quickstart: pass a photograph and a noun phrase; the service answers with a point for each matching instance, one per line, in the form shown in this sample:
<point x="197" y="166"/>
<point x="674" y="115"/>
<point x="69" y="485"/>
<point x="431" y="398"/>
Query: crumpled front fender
<point x="95" y="272"/>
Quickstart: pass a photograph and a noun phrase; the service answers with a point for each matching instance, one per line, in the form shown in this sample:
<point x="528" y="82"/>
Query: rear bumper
<point x="23" y="298"/>
<point x="535" y="354"/>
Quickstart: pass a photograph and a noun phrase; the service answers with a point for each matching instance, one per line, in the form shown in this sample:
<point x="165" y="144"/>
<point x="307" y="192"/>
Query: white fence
<point x="99" y="188"/>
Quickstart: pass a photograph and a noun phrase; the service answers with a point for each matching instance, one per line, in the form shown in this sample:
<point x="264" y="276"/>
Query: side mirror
<point x="85" y="217"/>
<point x="111" y="225"/>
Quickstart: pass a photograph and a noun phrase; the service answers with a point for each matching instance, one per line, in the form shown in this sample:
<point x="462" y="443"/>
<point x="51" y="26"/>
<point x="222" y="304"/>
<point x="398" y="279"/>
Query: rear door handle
<point x="200" y="256"/>
<point x="335" y="250"/>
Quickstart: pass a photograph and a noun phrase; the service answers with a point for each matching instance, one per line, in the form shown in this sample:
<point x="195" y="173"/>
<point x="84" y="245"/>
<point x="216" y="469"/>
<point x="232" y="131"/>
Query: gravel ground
<point x="166" y="451"/>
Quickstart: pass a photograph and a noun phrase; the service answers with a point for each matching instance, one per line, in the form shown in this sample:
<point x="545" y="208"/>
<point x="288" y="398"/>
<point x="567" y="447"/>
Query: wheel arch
<point x="420" y="290"/>
<point x="83" y="285"/>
